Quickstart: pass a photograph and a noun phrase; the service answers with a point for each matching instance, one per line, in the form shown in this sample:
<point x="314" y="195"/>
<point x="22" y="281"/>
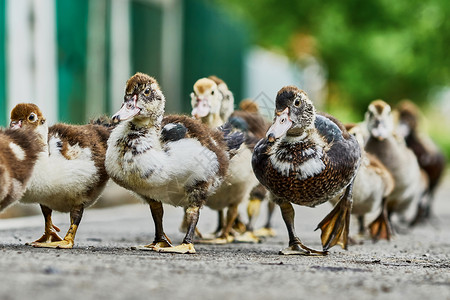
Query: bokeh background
<point x="72" y="57"/>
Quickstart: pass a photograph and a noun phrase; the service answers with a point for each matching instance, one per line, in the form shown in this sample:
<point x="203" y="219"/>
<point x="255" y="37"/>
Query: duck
<point x="392" y="151"/>
<point x="430" y="158"/>
<point x="308" y="158"/>
<point x="18" y="155"/>
<point x="373" y="183"/>
<point x="183" y="171"/>
<point x="249" y="119"/>
<point x="211" y="101"/>
<point x="69" y="174"/>
<point x="207" y="106"/>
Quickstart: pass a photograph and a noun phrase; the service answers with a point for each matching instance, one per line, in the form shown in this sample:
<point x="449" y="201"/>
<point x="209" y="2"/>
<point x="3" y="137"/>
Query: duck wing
<point x="172" y="132"/>
<point x="328" y="128"/>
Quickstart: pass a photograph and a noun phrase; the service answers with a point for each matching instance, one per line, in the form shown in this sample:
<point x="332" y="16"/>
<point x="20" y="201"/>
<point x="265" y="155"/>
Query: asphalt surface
<point x="102" y="265"/>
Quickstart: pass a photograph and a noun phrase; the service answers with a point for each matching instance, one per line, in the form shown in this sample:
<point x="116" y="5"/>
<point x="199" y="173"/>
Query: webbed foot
<point x="48" y="237"/>
<point x="247" y="237"/>
<point x="335" y="226"/>
<point x="181" y="249"/>
<point x="217" y="240"/>
<point x="265" y="232"/>
<point x="63" y="244"/>
<point x="380" y="228"/>
<point x="300" y="249"/>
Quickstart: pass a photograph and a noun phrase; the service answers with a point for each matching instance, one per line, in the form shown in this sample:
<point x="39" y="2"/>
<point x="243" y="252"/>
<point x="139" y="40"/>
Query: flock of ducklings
<point x="221" y="158"/>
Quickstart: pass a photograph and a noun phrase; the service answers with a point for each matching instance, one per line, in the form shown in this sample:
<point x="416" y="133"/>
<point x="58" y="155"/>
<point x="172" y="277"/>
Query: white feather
<point x="18" y="152"/>
<point x="60" y="183"/>
<point x="160" y="174"/>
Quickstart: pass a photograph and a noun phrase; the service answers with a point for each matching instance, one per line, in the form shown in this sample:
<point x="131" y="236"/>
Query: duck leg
<point x="50" y="231"/>
<point x="225" y="237"/>
<point x="335" y="226"/>
<point x="221" y="221"/>
<point x="381" y="228"/>
<point x="161" y="240"/>
<point x="184" y="226"/>
<point x="296" y="246"/>
<point x="197" y="197"/>
<point x="192" y="214"/>
<point x="75" y="218"/>
<point x="361" y="228"/>
<point x="267" y="230"/>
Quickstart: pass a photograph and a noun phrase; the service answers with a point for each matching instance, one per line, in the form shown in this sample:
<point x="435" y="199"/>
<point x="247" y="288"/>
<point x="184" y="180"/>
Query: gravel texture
<point x="415" y="265"/>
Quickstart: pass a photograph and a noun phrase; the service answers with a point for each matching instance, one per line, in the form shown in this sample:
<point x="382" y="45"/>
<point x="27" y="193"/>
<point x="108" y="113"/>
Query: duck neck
<point x="42" y="132"/>
<point x="213" y="120"/>
<point x="148" y="128"/>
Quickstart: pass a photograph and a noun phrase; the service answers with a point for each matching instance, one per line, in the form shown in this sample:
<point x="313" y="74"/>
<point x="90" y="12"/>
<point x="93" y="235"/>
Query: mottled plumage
<point x="182" y="171"/>
<point x="307" y="160"/>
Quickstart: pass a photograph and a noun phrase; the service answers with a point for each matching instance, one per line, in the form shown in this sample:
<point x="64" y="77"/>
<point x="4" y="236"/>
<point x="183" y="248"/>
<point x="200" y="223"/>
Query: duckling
<point x="308" y="159"/>
<point x="250" y="120"/>
<point x="184" y="172"/>
<point x="373" y="183"/>
<point x="240" y="178"/>
<point x="18" y="154"/>
<point x="430" y="157"/>
<point x="212" y="101"/>
<point x="396" y="156"/>
<point x="69" y="174"/>
<point x="227" y="102"/>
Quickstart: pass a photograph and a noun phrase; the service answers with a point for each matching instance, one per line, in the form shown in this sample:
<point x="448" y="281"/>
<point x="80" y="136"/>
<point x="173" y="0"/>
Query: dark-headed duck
<point x="308" y="159"/>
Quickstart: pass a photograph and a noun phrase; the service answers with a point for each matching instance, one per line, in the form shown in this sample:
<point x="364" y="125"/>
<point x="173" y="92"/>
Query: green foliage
<point x="372" y="49"/>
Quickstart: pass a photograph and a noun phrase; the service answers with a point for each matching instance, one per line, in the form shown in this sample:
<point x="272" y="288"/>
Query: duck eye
<point x="212" y="92"/>
<point x="297" y="103"/>
<point x="147" y="92"/>
<point x="32" y="117"/>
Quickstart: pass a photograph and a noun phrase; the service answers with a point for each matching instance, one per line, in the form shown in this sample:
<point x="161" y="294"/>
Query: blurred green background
<point x="72" y="57"/>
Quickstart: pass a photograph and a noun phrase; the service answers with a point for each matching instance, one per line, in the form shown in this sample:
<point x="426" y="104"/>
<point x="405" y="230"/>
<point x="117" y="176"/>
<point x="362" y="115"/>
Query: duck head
<point x="379" y="120"/>
<point x="294" y="114"/>
<point x="143" y="100"/>
<point x="357" y="132"/>
<point x="206" y="98"/>
<point x="408" y="118"/>
<point x="29" y="116"/>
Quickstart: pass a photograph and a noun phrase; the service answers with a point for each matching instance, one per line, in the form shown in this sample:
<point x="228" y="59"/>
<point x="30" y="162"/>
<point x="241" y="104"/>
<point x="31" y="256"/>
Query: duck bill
<point x="201" y="109"/>
<point x="282" y="124"/>
<point x="127" y="111"/>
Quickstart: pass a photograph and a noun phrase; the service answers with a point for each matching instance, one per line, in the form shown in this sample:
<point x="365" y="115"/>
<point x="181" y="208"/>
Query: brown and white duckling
<point x="18" y="154"/>
<point x="430" y="157"/>
<point x="396" y="156"/>
<point x="181" y="172"/>
<point x="69" y="174"/>
<point x="373" y="183"/>
<point x="240" y="179"/>
<point x="308" y="159"/>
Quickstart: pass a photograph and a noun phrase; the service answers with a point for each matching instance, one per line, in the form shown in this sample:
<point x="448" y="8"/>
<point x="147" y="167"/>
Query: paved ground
<point x="415" y="265"/>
